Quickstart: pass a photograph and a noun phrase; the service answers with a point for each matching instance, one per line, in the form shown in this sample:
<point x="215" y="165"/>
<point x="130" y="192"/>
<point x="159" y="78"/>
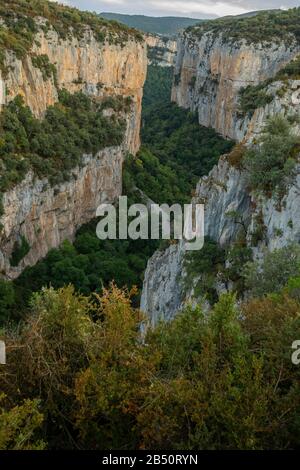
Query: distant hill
<point x="166" y="25"/>
<point x="249" y="14"/>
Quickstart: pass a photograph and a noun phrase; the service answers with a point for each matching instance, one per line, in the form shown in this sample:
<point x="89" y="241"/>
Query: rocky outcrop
<point x="163" y="290"/>
<point x="80" y="64"/>
<point x="210" y="72"/>
<point x="285" y="101"/>
<point x="46" y="216"/>
<point x="280" y="220"/>
<point x="161" y="51"/>
<point x="224" y="194"/>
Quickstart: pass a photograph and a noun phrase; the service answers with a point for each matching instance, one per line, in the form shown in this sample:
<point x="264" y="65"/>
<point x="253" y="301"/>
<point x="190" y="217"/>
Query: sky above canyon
<point x="191" y="8"/>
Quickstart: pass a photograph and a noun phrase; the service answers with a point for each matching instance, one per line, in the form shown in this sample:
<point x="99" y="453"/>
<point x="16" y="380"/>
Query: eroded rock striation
<point x="161" y="50"/>
<point x="210" y="73"/>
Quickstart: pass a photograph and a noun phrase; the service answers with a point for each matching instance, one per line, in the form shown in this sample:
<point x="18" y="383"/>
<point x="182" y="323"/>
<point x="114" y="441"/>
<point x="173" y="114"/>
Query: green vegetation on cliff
<point x="54" y="145"/>
<point x="270" y="165"/>
<point x="257" y="96"/>
<point x="266" y="26"/>
<point x="19" y="27"/>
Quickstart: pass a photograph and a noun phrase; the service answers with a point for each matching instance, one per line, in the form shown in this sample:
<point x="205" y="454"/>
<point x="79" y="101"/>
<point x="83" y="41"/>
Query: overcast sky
<point x="193" y="8"/>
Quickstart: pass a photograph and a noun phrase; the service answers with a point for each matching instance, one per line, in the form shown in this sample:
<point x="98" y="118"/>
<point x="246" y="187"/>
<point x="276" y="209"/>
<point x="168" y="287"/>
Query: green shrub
<point x="20" y="250"/>
<point x="54" y="145"/>
<point x="253" y="97"/>
<point x="48" y="70"/>
<point x="270" y="165"/>
<point x="202" y="268"/>
<point x="272" y="274"/>
<point x="7" y="299"/>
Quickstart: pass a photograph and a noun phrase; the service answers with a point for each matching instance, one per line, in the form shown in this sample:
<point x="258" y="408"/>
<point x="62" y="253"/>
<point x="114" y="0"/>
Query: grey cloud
<point x="195" y="8"/>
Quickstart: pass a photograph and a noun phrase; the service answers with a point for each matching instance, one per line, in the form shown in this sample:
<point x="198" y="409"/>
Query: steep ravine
<point x="208" y="76"/>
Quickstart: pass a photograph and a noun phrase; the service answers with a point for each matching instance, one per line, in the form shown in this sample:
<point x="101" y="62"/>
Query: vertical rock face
<point x="46" y="216"/>
<point x="223" y="192"/>
<point x="161" y="51"/>
<point x="163" y="285"/>
<point x="43" y="215"/>
<point x="209" y="73"/>
<point x="85" y="64"/>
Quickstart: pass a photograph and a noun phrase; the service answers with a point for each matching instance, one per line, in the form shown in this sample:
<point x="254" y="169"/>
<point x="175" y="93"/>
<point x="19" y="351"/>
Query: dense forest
<point x="80" y="378"/>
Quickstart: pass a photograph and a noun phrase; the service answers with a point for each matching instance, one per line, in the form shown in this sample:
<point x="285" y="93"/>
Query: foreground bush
<point x="218" y="381"/>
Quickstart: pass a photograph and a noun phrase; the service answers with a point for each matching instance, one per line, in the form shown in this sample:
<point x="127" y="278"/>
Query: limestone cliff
<point x="209" y="75"/>
<point x="210" y="72"/>
<point x="46" y="215"/>
<point x="161" y="51"/>
<point x="80" y="64"/>
<point x="100" y="65"/>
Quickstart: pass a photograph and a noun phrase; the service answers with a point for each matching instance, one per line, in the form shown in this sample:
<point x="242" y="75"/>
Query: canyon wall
<point x="99" y="69"/>
<point x="33" y="210"/>
<point x="210" y="72"/>
<point x="47" y="215"/>
<point x="161" y="51"/>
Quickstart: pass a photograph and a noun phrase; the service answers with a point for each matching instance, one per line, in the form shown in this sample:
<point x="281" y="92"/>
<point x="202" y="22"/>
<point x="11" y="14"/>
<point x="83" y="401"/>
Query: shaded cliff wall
<point x="46" y="216"/>
<point x="209" y="73"/>
<point x="161" y="51"/>
<point x="225" y="191"/>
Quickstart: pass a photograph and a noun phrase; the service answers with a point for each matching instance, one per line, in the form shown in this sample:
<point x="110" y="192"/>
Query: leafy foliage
<point x="223" y="381"/>
<point x="268" y="26"/>
<point x="157" y="88"/>
<point x="20" y="251"/>
<point x="43" y="63"/>
<point x="53" y="146"/>
<point x="174" y="136"/>
<point x="202" y="268"/>
<point x="7" y="299"/>
<point x="271" y="164"/>
<point x="17" y="33"/>
<point x="253" y="97"/>
<point x="272" y="274"/>
<point x="87" y="264"/>
<point x="19" y="425"/>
